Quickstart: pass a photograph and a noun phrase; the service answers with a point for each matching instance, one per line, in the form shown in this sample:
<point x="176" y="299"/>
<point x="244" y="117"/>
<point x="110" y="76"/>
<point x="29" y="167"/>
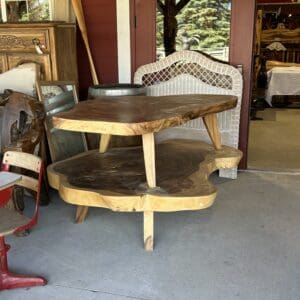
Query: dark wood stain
<point x="122" y="170"/>
<point x="140" y="109"/>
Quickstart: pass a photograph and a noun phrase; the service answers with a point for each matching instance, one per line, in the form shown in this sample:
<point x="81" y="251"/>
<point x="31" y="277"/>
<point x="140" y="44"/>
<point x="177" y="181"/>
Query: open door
<point x="143" y="37"/>
<point x="143" y="32"/>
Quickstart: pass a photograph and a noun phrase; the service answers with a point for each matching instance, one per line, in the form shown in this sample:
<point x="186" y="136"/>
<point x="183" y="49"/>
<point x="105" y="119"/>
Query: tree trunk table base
<point x="116" y="179"/>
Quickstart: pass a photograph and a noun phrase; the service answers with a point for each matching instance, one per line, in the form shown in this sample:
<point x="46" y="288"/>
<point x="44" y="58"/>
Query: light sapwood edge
<point x="114" y="128"/>
<point x="78" y="119"/>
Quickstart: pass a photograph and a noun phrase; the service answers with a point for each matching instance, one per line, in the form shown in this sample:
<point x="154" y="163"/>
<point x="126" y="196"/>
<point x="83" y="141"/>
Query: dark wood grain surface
<point x="116" y="179"/>
<point x="140" y="114"/>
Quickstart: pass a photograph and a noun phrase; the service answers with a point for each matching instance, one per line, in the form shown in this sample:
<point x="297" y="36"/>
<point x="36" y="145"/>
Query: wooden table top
<point x="137" y="115"/>
<point x="8" y="179"/>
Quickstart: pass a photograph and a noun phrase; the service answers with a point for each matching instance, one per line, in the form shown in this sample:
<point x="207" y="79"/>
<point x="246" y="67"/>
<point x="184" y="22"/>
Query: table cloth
<point x="283" y="81"/>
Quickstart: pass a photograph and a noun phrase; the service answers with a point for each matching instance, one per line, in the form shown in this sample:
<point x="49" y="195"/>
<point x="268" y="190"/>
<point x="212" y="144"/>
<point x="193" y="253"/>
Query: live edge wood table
<point x="169" y="176"/>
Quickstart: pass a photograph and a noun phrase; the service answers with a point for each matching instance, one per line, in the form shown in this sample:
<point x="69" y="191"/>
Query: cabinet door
<point x="15" y="59"/>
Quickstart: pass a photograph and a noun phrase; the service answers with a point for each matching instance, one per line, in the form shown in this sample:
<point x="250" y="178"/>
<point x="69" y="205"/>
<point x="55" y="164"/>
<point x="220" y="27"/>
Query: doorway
<point x="143" y="27"/>
<point x="274" y="139"/>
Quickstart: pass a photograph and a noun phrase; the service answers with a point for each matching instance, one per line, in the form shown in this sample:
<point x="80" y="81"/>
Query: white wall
<point x="124" y="50"/>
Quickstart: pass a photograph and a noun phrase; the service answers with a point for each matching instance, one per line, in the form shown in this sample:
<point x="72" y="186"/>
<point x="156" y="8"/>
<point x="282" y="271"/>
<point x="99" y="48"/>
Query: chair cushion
<point x="10" y="220"/>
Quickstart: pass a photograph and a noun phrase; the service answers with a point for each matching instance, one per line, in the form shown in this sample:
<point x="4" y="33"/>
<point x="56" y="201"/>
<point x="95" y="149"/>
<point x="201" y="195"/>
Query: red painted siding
<point x="101" y="21"/>
<point x="143" y="32"/>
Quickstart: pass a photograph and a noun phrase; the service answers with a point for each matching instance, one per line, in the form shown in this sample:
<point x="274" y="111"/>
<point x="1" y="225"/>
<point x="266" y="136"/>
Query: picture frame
<point x="60" y="96"/>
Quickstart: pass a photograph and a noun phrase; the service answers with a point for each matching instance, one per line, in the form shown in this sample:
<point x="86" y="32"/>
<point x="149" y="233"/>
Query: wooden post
<point x="149" y="159"/>
<point x="104" y="142"/>
<point x="148" y="230"/>
<point x="81" y="213"/>
<point x="211" y="124"/>
<point x="78" y="10"/>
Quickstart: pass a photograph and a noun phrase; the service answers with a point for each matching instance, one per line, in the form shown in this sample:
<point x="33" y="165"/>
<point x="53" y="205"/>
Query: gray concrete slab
<point x="246" y="246"/>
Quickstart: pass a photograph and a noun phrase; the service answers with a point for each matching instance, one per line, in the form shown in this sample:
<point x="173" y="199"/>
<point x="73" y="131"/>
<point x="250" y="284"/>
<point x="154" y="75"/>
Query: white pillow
<point x="21" y="79"/>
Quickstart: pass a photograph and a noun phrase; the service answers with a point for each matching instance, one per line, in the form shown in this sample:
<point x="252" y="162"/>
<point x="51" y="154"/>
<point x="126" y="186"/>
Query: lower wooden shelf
<point x="116" y="179"/>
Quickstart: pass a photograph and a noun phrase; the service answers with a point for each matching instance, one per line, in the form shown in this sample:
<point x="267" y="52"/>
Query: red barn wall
<point x="101" y="21"/>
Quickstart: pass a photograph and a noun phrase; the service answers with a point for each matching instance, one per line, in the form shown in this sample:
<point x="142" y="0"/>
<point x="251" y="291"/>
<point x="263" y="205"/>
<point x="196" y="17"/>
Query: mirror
<point x="60" y="96"/>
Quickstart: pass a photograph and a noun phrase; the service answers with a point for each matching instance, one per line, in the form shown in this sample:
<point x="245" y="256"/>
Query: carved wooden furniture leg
<point x="149" y="159"/>
<point x="82" y="211"/>
<point x="211" y="124"/>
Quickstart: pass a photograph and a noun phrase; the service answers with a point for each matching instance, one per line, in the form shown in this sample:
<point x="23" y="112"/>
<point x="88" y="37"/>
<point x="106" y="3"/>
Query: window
<point x="202" y="25"/>
<point x="24" y="10"/>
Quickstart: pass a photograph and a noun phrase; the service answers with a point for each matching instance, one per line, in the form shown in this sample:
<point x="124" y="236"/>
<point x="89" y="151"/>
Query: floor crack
<point x="103" y="292"/>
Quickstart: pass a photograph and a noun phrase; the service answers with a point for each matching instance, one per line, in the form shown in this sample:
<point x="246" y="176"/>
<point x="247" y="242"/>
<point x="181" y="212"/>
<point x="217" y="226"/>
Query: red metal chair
<point x="12" y="221"/>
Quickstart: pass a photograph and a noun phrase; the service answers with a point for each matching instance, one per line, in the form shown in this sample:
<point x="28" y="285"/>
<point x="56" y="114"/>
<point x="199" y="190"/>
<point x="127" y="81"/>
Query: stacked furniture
<point x="190" y="72"/>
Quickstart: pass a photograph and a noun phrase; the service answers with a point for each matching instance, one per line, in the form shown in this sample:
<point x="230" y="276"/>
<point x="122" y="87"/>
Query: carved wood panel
<point x="23" y="40"/>
<point x="15" y="59"/>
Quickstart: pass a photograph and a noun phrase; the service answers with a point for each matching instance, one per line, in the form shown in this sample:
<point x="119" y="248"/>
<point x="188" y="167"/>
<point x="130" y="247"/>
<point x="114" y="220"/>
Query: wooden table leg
<point x="149" y="159"/>
<point x="104" y="142"/>
<point x="211" y="124"/>
<point x="148" y="230"/>
<point x="82" y="211"/>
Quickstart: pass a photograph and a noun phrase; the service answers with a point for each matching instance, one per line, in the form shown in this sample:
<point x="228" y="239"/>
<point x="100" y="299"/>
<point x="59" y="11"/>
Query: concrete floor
<point x="274" y="141"/>
<point x="246" y="246"/>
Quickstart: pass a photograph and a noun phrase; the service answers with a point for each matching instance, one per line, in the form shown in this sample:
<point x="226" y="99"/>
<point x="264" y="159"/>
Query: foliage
<point x="30" y="10"/>
<point x="201" y="24"/>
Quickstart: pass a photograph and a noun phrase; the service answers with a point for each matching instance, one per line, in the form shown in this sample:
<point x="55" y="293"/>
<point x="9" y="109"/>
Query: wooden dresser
<point x="52" y="45"/>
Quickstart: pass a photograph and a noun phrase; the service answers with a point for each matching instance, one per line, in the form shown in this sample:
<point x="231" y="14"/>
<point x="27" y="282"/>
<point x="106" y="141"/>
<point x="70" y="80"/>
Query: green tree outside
<point x="202" y="24"/>
<point x="27" y="10"/>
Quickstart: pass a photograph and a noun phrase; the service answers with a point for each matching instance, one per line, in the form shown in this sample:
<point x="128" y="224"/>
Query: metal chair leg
<point x="10" y="280"/>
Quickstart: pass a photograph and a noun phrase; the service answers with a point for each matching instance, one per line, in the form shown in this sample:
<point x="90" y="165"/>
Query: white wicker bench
<point x="189" y="72"/>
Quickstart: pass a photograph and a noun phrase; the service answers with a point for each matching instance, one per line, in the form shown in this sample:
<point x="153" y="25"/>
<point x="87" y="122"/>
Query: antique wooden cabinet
<point x="52" y="45"/>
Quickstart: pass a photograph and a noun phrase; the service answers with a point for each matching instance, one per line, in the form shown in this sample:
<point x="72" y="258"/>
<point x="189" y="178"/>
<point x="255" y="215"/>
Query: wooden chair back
<point x="31" y="163"/>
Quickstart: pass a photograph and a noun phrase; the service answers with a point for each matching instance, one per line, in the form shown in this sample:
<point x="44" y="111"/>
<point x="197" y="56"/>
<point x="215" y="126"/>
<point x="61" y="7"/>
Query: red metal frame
<point x="9" y="280"/>
<point x="6" y="194"/>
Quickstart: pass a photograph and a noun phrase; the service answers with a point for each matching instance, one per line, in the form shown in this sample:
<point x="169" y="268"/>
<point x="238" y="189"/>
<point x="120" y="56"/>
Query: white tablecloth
<point x="283" y="81"/>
